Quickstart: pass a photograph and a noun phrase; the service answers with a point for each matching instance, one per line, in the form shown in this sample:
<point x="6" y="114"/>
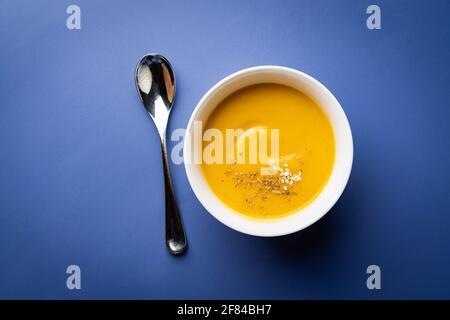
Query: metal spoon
<point x="155" y="83"/>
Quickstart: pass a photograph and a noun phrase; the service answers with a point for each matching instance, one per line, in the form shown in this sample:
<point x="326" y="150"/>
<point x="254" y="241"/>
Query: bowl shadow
<point x="315" y="241"/>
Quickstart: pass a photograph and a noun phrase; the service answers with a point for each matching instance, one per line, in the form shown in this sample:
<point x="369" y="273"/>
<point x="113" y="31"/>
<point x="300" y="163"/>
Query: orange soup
<point x="300" y="170"/>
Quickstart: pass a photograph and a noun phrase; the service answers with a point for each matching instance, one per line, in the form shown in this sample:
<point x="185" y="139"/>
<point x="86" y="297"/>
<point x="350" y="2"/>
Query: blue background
<point x="81" y="175"/>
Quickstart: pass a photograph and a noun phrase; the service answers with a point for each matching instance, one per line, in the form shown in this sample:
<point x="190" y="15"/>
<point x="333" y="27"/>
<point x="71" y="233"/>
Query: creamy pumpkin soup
<point x="267" y="185"/>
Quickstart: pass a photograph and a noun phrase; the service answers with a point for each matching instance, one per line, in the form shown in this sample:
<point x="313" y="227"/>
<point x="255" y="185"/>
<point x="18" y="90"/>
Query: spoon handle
<point x="175" y="237"/>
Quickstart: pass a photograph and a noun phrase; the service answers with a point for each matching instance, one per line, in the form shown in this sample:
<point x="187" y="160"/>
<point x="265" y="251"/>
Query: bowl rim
<point x="290" y="223"/>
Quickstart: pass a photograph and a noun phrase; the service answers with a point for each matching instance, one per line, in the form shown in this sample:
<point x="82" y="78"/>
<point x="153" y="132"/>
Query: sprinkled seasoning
<point x="278" y="184"/>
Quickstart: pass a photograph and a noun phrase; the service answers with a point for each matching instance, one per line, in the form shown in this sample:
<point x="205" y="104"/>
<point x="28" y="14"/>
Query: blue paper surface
<point x="80" y="168"/>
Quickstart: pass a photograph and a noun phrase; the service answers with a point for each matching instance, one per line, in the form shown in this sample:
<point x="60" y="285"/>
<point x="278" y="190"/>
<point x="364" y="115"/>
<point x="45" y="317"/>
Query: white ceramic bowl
<point x="342" y="164"/>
